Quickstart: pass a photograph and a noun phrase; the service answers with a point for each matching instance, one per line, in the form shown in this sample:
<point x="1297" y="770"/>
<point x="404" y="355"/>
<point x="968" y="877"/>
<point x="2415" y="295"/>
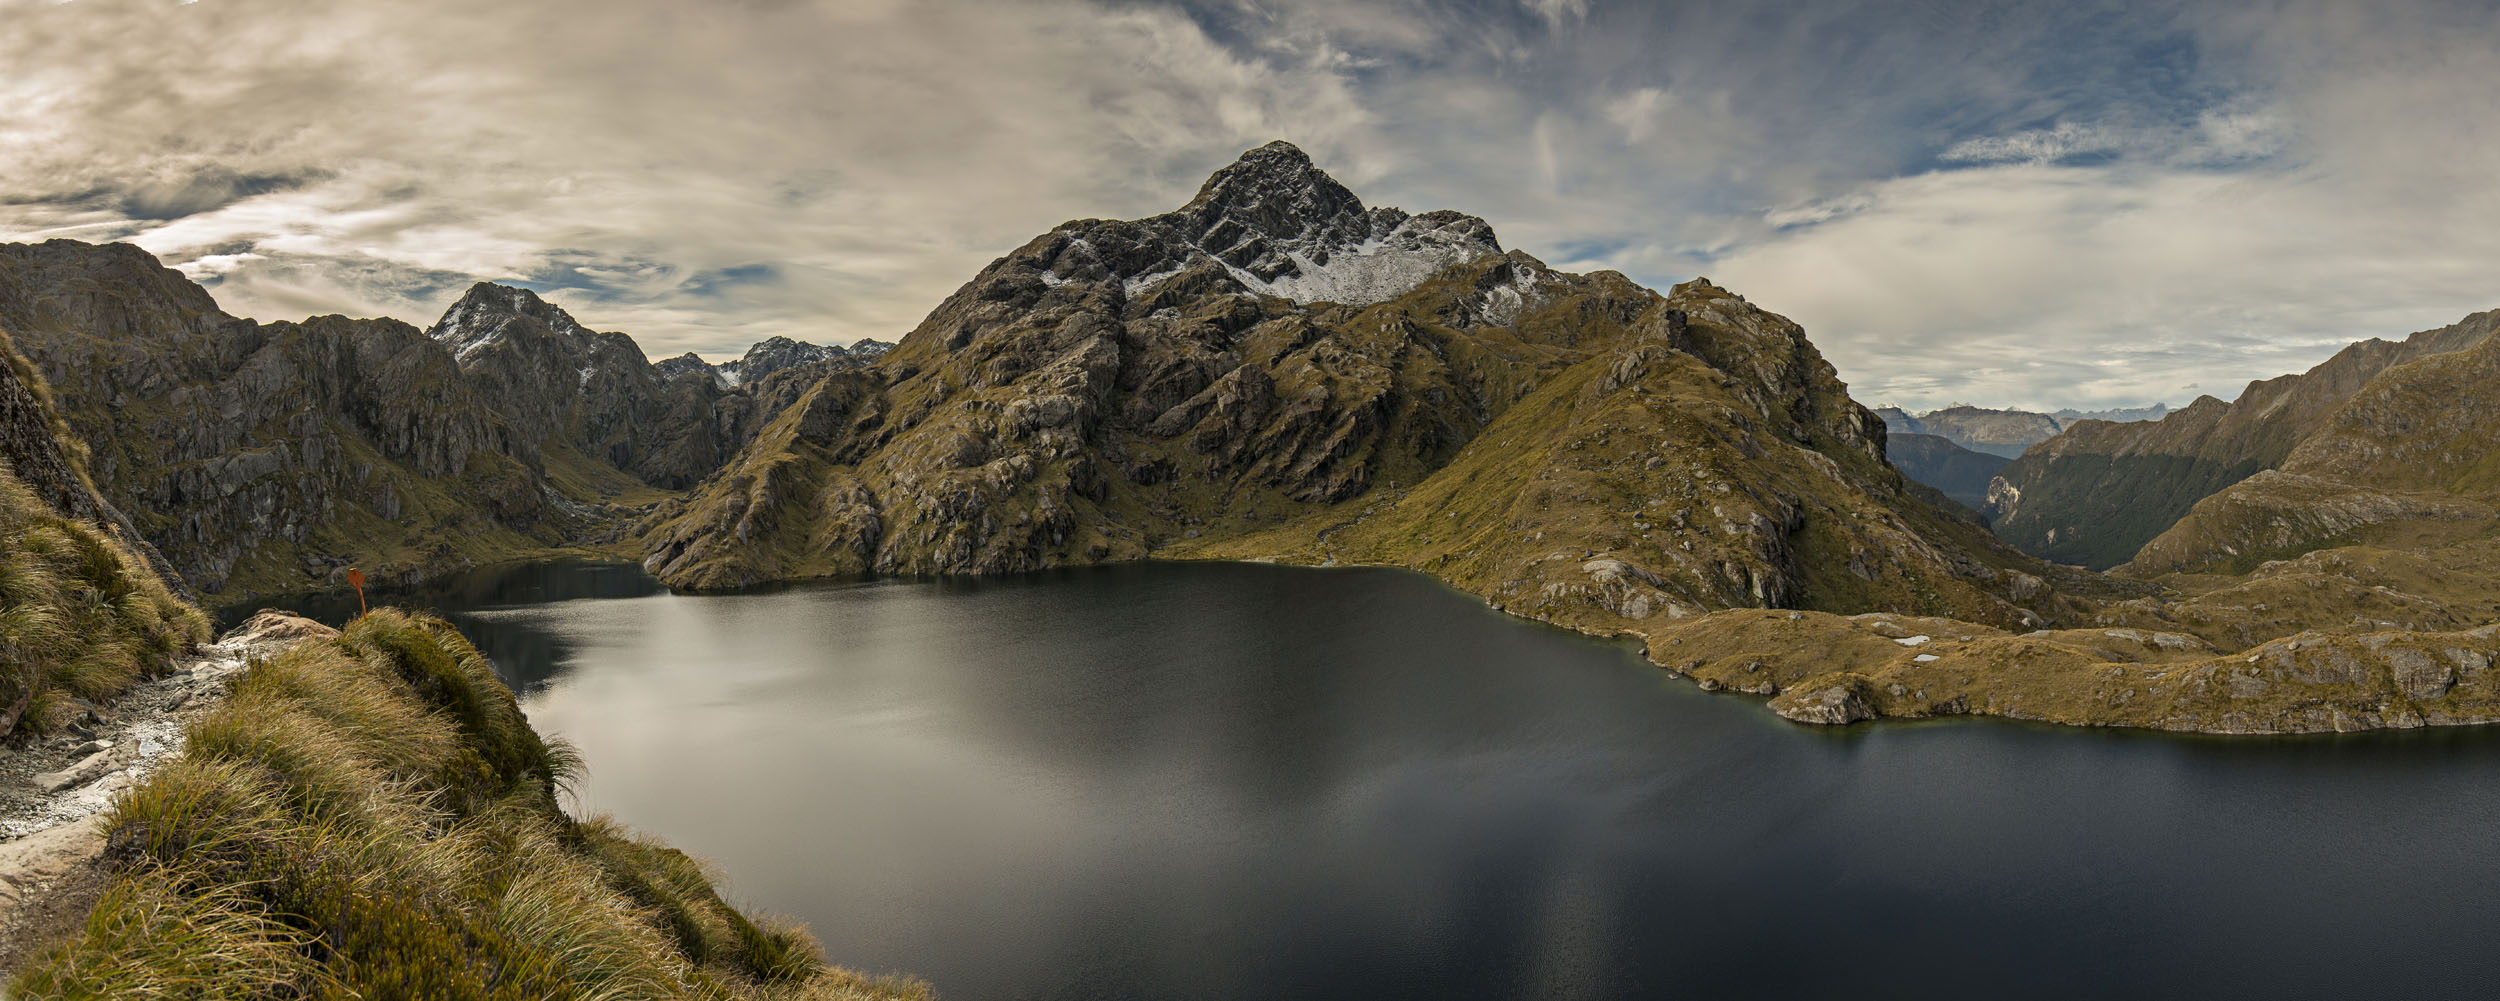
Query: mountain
<point x="2003" y="433"/>
<point x="264" y="457"/>
<point x="268" y="457"/>
<point x="1277" y="371"/>
<point x="2121" y="415"/>
<point x="1963" y="475"/>
<point x="2406" y="461"/>
<point x="564" y="386"/>
<point x="774" y="354"/>
<point x="2100" y="491"/>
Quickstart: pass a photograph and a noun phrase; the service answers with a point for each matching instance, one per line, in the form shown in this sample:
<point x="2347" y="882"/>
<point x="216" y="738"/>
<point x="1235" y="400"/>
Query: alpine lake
<point x="1243" y="781"/>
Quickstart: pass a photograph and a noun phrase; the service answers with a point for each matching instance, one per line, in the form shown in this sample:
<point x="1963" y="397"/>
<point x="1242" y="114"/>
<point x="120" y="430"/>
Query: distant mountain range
<point x="2003" y="433"/>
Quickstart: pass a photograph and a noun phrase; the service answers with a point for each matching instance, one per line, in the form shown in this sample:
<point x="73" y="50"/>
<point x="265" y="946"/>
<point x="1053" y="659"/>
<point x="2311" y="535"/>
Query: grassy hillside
<point x="80" y="616"/>
<point x="370" y="816"/>
<point x="2406" y="460"/>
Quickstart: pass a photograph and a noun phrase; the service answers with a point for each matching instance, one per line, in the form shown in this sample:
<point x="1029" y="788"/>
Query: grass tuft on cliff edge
<point x="81" y="617"/>
<point x="371" y="816"/>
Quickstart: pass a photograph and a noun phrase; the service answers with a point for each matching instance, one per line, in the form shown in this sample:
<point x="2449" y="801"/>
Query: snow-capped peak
<point x="1279" y="226"/>
<point x="484" y="317"/>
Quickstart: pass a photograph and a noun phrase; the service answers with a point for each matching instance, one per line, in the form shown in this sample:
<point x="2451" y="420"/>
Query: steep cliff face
<point x="557" y="381"/>
<point x="39" y="449"/>
<point x="2100" y="491"/>
<point x="1275" y="370"/>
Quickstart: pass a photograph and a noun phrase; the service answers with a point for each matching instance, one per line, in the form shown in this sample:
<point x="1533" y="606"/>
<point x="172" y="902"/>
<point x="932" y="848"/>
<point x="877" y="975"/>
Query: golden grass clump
<point x="81" y="617"/>
<point x="372" y="817"/>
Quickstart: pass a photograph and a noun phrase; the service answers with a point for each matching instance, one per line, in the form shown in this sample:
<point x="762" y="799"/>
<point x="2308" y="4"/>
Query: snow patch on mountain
<point x="1376" y="270"/>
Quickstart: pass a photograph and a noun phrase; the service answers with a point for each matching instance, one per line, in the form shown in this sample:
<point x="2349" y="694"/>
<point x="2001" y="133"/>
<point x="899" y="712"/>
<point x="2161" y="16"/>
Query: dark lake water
<point x="1233" y="781"/>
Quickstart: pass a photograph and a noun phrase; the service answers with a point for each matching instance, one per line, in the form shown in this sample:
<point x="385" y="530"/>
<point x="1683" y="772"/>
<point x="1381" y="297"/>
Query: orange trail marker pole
<point x="356" y="579"/>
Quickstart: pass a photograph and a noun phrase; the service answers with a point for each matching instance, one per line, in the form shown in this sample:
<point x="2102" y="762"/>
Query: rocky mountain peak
<point x="1277" y="225"/>
<point x="1273" y="193"/>
<point x="490" y="314"/>
<point x="773" y="354"/>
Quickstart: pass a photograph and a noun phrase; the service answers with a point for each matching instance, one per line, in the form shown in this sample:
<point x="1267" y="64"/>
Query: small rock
<point x="86" y="770"/>
<point x="1926" y="658"/>
<point x="1919" y="640"/>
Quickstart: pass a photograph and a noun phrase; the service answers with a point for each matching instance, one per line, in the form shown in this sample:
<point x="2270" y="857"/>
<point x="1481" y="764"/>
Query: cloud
<point x="2088" y="203"/>
<point x="2036" y="145"/>
<point x="1555" y="12"/>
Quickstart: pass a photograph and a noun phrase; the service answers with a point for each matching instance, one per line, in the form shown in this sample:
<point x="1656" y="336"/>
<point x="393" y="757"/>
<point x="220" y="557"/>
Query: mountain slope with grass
<point x="369" y="815"/>
<point x="2406" y="461"/>
<point x="2100" y="491"/>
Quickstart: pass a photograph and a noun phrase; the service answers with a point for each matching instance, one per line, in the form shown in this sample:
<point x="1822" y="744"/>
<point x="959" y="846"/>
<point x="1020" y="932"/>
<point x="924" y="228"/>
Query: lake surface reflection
<point x="1234" y="781"/>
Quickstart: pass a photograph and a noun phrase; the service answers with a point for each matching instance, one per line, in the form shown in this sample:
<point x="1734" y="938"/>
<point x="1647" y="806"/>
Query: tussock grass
<point x="372" y="817"/>
<point x="81" y="617"/>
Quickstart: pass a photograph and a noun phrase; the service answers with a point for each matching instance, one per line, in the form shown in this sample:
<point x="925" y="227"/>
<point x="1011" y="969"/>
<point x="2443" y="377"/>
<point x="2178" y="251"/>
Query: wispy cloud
<point x="2036" y="145"/>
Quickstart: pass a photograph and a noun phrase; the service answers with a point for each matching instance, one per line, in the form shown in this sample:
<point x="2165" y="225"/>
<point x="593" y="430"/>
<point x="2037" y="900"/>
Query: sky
<point x="2015" y="204"/>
